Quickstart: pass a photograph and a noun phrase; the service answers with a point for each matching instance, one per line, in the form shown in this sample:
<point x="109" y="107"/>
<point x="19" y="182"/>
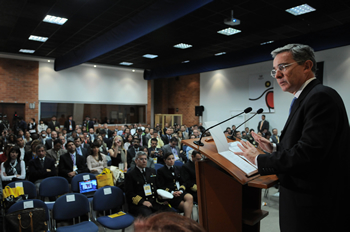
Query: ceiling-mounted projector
<point x="232" y="21"/>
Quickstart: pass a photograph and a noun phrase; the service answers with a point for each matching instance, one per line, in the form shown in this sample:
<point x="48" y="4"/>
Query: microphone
<point x="259" y="111"/>
<point x="199" y="143"/>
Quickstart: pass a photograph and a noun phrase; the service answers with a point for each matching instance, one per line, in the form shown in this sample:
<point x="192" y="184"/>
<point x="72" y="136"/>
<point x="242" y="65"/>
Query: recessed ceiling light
<point x="267" y="42"/>
<point x="186" y="61"/>
<point x="55" y="20"/>
<point x="37" y="38"/>
<point x="229" y="31"/>
<point x="95" y="66"/>
<point x="26" y="51"/>
<point x="150" y="56"/>
<point x="182" y="46"/>
<point x="49" y="61"/>
<point x="299" y="10"/>
<point x="126" y="63"/>
<point x="220" y="53"/>
<point x="133" y="70"/>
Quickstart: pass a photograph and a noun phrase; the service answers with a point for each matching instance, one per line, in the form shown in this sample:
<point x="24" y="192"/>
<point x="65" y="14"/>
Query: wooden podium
<point x="228" y="200"/>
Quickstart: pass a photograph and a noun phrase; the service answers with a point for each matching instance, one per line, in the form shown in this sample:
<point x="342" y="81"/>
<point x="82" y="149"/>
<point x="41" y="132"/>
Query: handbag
<point x="10" y="200"/>
<point x="27" y="220"/>
<point x="105" y="178"/>
<point x="12" y="195"/>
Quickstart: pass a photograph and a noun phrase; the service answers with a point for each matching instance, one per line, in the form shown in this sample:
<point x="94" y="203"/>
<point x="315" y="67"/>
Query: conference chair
<point x="53" y="187"/>
<point x="36" y="204"/>
<point x="111" y="198"/>
<point x="178" y="163"/>
<point x="157" y="166"/>
<point x="28" y="187"/>
<point x="71" y="206"/>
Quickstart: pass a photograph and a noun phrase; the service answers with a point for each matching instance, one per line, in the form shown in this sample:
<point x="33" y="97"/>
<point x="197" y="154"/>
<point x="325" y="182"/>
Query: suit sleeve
<point x="130" y="192"/>
<point x="186" y="178"/>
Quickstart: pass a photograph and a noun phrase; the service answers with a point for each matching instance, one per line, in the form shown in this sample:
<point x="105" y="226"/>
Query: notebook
<point x="88" y="187"/>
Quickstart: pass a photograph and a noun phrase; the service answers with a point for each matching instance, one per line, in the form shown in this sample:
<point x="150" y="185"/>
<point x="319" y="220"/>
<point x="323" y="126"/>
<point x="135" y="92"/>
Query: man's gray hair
<point x="140" y="153"/>
<point x="300" y="53"/>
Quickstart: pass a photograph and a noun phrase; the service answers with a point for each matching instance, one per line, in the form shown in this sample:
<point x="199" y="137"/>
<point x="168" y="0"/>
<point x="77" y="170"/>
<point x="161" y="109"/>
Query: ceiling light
<point x="229" y="31"/>
<point x="299" y="10"/>
<point x="133" y="70"/>
<point x="126" y="63"/>
<point x="26" y="51"/>
<point x="95" y="66"/>
<point x="220" y="53"/>
<point x="37" y="38"/>
<point x="182" y="46"/>
<point x="150" y="56"/>
<point x="268" y="42"/>
<point x="49" y="61"/>
<point x="186" y="61"/>
<point x="55" y="20"/>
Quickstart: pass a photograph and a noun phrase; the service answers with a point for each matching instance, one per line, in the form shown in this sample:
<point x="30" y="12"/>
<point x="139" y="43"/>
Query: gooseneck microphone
<point x="259" y="111"/>
<point x="199" y="143"/>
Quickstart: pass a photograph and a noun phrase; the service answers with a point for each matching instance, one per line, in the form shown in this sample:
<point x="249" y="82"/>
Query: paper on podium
<point x="224" y="149"/>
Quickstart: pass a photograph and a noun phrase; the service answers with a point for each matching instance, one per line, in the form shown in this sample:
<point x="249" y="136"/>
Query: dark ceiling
<point x="261" y="21"/>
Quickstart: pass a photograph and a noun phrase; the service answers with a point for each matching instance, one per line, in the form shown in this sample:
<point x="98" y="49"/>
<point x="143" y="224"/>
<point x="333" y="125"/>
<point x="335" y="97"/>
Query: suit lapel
<point x="298" y="102"/>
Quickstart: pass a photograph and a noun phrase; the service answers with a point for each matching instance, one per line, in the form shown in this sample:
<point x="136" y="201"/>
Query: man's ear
<point x="308" y="65"/>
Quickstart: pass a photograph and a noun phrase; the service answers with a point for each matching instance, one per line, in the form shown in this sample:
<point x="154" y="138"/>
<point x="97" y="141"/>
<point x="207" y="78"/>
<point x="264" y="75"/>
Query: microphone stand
<point x="199" y="143"/>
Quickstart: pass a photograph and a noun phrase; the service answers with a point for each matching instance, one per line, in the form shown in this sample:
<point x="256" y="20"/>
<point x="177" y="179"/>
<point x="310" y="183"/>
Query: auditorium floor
<point x="268" y="224"/>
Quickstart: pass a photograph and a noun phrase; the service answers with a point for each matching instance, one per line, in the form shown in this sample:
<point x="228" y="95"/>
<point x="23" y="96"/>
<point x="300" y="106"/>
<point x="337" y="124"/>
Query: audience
<point x="96" y="161"/>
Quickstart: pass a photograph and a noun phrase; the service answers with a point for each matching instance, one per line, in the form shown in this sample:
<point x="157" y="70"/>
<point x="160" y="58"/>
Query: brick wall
<point x="19" y="82"/>
<point x="181" y="93"/>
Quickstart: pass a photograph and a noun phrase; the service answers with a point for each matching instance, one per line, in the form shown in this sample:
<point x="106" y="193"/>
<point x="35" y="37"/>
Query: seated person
<point x="155" y="152"/>
<point x="56" y="151"/>
<point x="188" y="174"/>
<point x="169" y="179"/>
<point x="96" y="161"/>
<point x="150" y="162"/>
<point x="141" y="189"/>
<point x="133" y="150"/>
<point x="41" y="167"/>
<point x="173" y="148"/>
<point x="71" y="163"/>
<point x="13" y="168"/>
<point x="117" y="153"/>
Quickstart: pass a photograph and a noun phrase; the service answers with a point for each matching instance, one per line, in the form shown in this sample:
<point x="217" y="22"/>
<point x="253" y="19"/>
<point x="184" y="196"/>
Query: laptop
<point x="88" y="187"/>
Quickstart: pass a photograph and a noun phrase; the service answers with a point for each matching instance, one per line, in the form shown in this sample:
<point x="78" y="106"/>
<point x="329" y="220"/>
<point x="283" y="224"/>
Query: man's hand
<point x="48" y="170"/>
<point x="147" y="204"/>
<point x="71" y="174"/>
<point x="176" y="193"/>
<point x="264" y="144"/>
<point x="248" y="151"/>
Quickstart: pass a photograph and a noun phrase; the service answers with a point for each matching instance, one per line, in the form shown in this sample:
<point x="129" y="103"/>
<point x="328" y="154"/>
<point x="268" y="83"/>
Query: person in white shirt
<point x="13" y="168"/>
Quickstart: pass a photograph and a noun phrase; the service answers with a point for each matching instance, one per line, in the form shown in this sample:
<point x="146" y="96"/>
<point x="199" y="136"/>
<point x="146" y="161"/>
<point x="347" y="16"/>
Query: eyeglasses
<point x="142" y="159"/>
<point x="281" y="68"/>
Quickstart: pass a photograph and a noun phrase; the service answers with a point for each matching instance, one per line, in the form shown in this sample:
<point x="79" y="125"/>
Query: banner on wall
<point x="261" y="93"/>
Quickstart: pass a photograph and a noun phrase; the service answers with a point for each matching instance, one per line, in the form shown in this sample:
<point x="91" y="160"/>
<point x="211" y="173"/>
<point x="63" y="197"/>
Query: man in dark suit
<point x="188" y="174"/>
<point x="173" y="148"/>
<point x="53" y="124"/>
<point x="133" y="150"/>
<point x="71" y="163"/>
<point x="263" y="124"/>
<point x="41" y="167"/>
<point x="80" y="150"/>
<point x="312" y="167"/>
<point x="87" y="123"/>
<point x="141" y="189"/>
<point x="49" y="143"/>
<point x="107" y="141"/>
<point x="69" y="124"/>
<point x="167" y="135"/>
<point x="109" y="133"/>
<point x="275" y="138"/>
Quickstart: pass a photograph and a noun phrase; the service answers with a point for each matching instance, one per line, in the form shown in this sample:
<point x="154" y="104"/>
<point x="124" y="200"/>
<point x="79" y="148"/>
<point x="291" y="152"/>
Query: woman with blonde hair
<point x="118" y="153"/>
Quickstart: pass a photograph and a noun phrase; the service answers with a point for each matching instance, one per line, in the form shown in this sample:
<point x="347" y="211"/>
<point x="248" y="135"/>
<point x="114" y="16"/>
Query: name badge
<point x="177" y="185"/>
<point x="75" y="168"/>
<point x="147" y="189"/>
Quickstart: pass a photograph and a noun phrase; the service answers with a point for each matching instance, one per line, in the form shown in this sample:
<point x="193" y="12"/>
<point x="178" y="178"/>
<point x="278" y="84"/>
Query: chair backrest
<point x="70" y="205"/>
<point x="108" y="197"/>
<point x="36" y="204"/>
<point x="80" y="177"/>
<point x="53" y="186"/>
<point x="157" y="166"/>
<point x="28" y="188"/>
<point x="178" y="163"/>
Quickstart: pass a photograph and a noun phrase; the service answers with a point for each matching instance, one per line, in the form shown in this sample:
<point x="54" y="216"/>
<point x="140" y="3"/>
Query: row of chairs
<point x="105" y="199"/>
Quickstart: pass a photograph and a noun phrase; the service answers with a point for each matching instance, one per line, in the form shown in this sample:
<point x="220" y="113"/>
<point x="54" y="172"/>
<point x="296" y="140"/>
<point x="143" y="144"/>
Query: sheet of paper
<point x="218" y="136"/>
<point x="28" y="204"/>
<point x="234" y="148"/>
<point x="238" y="161"/>
<point x="107" y="191"/>
<point x="86" y="177"/>
<point x="19" y="184"/>
<point x="70" y="198"/>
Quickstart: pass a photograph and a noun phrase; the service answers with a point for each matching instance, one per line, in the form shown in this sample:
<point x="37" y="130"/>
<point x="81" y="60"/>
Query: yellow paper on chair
<point x="120" y="213"/>
<point x="104" y="180"/>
